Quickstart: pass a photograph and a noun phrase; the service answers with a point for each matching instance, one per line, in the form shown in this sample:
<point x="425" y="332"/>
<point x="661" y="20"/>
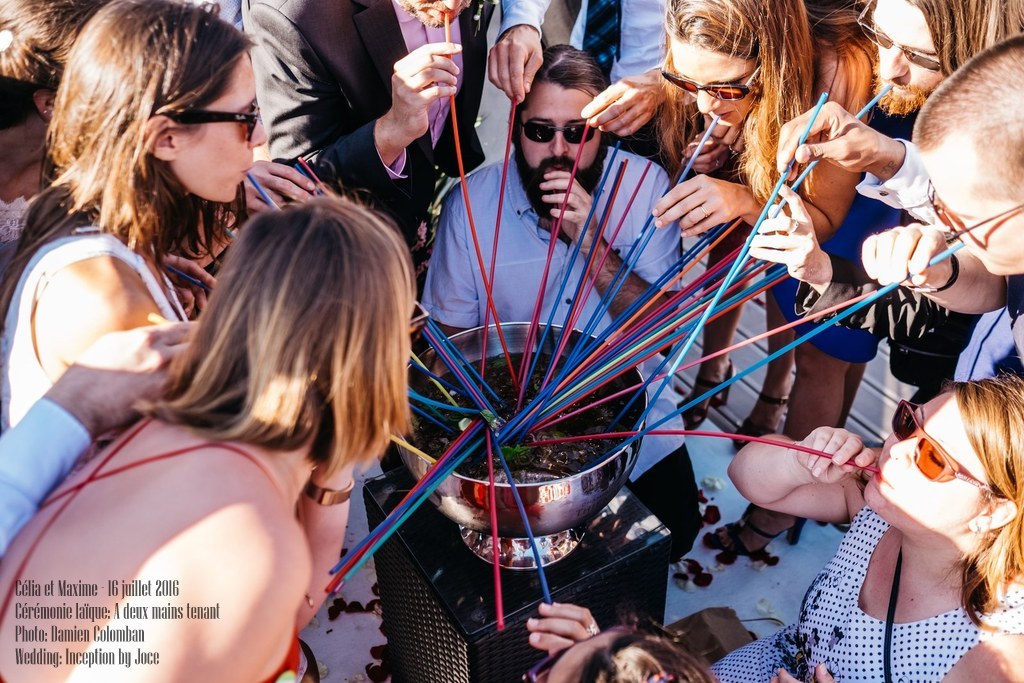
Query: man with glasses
<point x="548" y="135"/>
<point x="914" y="63"/>
<point x="970" y="159"/>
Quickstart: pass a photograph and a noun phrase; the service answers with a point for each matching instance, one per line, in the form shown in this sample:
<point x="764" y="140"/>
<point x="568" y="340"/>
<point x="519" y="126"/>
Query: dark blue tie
<point x="601" y="34"/>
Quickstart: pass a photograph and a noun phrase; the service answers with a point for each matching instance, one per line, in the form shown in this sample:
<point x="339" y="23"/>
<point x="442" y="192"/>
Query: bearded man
<point x="548" y="133"/>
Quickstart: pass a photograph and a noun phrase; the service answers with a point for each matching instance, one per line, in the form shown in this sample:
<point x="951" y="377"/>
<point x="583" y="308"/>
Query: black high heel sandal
<point x="749" y="428"/>
<point x="713" y="540"/>
<point x="695" y="415"/>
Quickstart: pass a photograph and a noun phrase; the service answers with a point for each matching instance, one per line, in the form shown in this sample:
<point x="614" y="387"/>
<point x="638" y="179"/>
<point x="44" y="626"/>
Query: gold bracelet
<point x="323" y="496"/>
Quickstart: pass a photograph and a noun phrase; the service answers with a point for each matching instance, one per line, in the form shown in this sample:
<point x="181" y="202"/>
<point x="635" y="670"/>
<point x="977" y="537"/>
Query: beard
<point x="533" y="176"/>
<point x="418" y="9"/>
<point x="902" y="99"/>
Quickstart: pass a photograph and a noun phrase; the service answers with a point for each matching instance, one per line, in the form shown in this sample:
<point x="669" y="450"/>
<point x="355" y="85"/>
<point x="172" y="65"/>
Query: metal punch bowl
<point x="556" y="507"/>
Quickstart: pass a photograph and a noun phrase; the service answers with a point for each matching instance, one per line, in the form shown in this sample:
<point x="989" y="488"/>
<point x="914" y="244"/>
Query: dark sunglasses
<point x="956" y="224"/>
<point x="883" y="41"/>
<point x="420" y="316"/>
<point x="720" y="91"/>
<point x="543" y="132"/>
<point x="931" y="458"/>
<point x="197" y="116"/>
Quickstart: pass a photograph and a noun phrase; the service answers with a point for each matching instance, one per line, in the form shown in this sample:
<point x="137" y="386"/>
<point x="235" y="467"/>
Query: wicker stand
<point x="438" y="598"/>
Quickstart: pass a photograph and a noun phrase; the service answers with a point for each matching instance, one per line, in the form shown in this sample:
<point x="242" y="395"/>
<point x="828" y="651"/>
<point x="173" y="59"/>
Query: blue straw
<point x="261" y="192"/>
<point x="187" y="278"/>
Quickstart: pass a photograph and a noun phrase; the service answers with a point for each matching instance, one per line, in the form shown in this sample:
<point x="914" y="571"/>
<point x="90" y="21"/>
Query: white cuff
<point x="907" y="189"/>
<point x="516" y="12"/>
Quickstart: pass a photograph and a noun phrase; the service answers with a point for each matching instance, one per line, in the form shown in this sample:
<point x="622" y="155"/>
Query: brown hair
<point x="572" y="69"/>
<point x="306" y="339"/>
<point x="952" y="111"/>
<point x="640" y="657"/>
<point x="776" y="34"/>
<point x="133" y="60"/>
<point x="961" y="29"/>
<point x="992" y="412"/>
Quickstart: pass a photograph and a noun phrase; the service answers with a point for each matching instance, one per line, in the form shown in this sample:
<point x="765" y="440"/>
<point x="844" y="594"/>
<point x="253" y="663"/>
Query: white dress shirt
<point x="907" y="189"/>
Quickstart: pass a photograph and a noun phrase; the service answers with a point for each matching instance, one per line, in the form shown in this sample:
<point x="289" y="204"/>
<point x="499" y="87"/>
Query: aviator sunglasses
<point x="197" y="116"/>
<point x="720" y="91"/>
<point x="928" y="62"/>
<point x="931" y="459"/>
<point x="543" y="132"/>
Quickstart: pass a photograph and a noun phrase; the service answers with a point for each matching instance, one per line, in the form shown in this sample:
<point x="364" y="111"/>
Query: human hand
<point x="892" y="255"/>
<point x="626" y="105"/>
<point x="424" y="75"/>
<point x="791" y="240"/>
<point x="191" y="295"/>
<point x="576" y="209"/>
<point x="724" y="142"/>
<point x="281" y="183"/>
<point x="821" y="675"/>
<point x="560" y="625"/>
<point x="843" y="446"/>
<point x="514" y="61"/>
<point x="701" y="203"/>
<point x="102" y="387"/>
<point x="841" y="138"/>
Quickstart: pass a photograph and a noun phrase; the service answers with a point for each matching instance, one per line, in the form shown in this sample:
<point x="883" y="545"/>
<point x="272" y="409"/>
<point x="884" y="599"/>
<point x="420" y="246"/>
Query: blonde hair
<point x="992" y="412"/>
<point x="306" y="339"/>
<point x="961" y="29"/>
<point x="774" y="33"/>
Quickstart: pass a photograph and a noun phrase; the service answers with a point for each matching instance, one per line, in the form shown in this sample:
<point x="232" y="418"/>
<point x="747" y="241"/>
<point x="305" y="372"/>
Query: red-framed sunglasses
<point x="728" y="92"/>
<point x="931" y="459"/>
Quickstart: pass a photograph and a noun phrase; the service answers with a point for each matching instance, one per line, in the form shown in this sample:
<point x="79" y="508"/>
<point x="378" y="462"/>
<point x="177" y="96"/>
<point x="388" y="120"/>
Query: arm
<point x="96" y="394"/>
<point x="996" y="659"/>
<point x="309" y="115"/>
<point x="516" y="56"/>
<point x="802" y="484"/>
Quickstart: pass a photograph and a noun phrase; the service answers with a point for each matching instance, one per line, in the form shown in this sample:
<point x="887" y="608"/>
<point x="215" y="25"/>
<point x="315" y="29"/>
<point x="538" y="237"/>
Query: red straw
<point x="691" y="432"/>
<point x="472" y="223"/>
<point x="492" y="498"/>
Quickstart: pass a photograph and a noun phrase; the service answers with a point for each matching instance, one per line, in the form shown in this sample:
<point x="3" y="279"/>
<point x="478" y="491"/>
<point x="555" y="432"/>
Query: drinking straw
<point x="492" y="500"/>
<point x="317" y="190"/>
<point x="698" y="328"/>
<point x="187" y="278"/>
<point x="694" y="432"/>
<point x="422" y="413"/>
<point x="412" y="449"/>
<point x="261" y="192"/>
<point x="489" y="295"/>
<point x="309" y="170"/>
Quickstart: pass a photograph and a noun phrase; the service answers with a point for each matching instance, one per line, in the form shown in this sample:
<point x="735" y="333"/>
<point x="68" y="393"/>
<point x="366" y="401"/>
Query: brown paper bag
<point x="711" y="633"/>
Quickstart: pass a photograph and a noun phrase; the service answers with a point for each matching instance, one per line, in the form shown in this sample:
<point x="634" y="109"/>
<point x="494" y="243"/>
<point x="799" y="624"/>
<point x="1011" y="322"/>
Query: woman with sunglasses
<point x="152" y="134"/>
<point x="232" y="495"/>
<point x="927" y="583"/>
<point x="751" y="62"/>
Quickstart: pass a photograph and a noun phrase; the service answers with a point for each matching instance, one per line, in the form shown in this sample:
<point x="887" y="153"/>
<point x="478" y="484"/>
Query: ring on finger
<point x="592" y="629"/>
<point x="705" y="210"/>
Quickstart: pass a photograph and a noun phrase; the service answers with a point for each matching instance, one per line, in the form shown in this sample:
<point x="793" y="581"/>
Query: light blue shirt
<point x="455" y="294"/>
<point x="35" y="456"/>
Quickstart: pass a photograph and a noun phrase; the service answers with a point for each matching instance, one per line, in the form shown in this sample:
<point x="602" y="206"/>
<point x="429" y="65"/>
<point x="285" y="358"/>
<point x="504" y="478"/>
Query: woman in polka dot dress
<point x="926" y="585"/>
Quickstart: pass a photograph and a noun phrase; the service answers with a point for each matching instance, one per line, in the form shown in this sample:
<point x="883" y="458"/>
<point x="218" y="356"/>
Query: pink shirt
<point x="417" y="34"/>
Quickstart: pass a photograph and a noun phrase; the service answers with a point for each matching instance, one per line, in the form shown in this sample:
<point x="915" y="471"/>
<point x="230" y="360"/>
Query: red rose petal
<point x="336" y="608"/>
<point x="379" y="651"/>
<point x="712" y="515"/>
<point x="354" y="607"/>
<point x="703" y="580"/>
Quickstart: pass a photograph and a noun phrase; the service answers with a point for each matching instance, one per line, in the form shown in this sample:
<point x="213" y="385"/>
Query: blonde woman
<point x="926" y="585"/>
<point x="236" y="488"/>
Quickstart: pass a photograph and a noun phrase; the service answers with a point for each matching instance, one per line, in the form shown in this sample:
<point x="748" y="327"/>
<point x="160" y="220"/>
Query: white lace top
<point x="833" y="629"/>
<point x="11" y="216"/>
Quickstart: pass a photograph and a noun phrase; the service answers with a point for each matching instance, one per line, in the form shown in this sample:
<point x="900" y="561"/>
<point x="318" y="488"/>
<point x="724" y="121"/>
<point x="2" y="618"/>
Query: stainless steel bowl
<point x="552" y="505"/>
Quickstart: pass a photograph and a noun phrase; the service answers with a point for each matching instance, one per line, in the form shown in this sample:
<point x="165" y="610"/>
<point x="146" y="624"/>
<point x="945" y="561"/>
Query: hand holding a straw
<point x="514" y="61"/>
<point x="191" y="282"/>
<point x="576" y="209"/>
<point x="791" y="241"/>
<point x="841" y="138"/>
<point x="627" y="104"/>
<point x="890" y="255"/>
<point x="702" y="202"/>
<point x="281" y="183"/>
<point x="424" y="75"/>
<point x="724" y="142"/>
<point x="844" y="447"/>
